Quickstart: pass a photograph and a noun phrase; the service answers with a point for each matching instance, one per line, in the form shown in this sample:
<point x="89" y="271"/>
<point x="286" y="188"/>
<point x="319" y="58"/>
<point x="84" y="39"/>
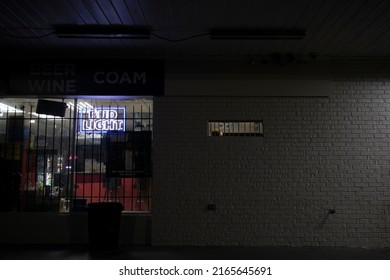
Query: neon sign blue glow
<point x="102" y="120"/>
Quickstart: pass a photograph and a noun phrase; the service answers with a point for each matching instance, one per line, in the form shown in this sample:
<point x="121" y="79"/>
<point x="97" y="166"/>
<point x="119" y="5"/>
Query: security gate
<point x="60" y="155"/>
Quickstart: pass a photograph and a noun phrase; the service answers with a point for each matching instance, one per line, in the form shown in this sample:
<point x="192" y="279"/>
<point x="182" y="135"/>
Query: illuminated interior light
<point x="4" y="108"/>
<point x="43" y="116"/>
<point x="81" y="106"/>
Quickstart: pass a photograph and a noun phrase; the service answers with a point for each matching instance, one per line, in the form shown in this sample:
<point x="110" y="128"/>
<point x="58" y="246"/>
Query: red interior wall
<point x="91" y="188"/>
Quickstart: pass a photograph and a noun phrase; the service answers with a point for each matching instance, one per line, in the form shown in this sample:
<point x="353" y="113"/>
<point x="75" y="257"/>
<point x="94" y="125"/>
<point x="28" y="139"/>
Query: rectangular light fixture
<point x="101" y="32"/>
<point x="257" y="34"/>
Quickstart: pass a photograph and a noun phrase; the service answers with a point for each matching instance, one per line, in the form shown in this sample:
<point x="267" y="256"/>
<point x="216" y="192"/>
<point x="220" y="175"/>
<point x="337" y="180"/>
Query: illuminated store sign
<point x="102" y="120"/>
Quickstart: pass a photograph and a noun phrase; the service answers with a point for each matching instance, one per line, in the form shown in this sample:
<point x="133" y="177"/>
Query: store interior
<point x="62" y="154"/>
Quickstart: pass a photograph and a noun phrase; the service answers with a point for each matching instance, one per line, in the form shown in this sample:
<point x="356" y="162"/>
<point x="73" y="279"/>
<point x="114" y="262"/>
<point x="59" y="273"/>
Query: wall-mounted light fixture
<point x="257" y="34"/>
<point x="101" y="32"/>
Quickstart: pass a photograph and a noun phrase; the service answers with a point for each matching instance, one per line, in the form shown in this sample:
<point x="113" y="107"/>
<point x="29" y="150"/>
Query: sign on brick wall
<point x="86" y="77"/>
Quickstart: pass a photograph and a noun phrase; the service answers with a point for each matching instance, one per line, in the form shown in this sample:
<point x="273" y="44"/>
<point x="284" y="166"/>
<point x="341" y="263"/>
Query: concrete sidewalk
<point x="81" y="252"/>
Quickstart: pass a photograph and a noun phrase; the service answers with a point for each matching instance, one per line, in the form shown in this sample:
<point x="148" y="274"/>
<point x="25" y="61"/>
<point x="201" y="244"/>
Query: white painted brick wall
<point x="316" y="154"/>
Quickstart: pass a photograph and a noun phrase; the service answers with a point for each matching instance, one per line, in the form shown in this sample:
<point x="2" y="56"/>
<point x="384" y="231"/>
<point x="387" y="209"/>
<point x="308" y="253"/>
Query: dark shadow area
<point x="81" y="252"/>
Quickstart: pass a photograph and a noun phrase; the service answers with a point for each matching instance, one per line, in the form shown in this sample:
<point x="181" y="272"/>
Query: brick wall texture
<point x="317" y="154"/>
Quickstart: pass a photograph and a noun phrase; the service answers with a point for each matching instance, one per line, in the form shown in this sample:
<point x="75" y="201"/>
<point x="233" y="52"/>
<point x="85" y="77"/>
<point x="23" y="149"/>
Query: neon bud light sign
<point x="102" y="120"/>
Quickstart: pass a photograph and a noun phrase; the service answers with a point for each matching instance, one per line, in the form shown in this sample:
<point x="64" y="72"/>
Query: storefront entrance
<point x="61" y="154"/>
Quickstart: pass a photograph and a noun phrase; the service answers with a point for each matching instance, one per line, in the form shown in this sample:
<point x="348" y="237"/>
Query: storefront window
<point x="96" y="150"/>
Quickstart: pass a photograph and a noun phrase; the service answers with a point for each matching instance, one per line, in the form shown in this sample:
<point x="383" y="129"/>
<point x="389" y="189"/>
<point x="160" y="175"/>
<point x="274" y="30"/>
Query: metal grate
<point x="235" y="128"/>
<point x="96" y="152"/>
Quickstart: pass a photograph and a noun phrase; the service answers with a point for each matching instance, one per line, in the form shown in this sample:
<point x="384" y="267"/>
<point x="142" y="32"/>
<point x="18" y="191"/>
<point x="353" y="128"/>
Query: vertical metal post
<point x="73" y="154"/>
<point x="45" y="157"/>
<point x="62" y="186"/>
<point x="27" y="187"/>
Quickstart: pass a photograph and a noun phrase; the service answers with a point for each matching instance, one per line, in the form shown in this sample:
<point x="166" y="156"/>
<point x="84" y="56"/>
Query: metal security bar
<point x="235" y="128"/>
<point x="98" y="151"/>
